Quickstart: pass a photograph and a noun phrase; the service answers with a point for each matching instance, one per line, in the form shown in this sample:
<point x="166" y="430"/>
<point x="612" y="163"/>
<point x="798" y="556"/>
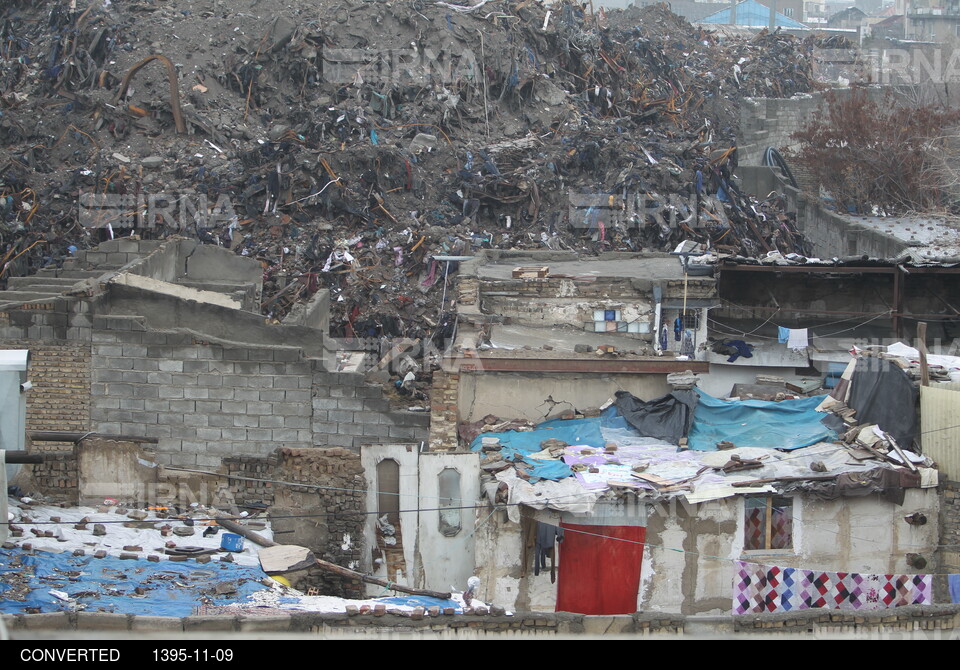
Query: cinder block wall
<point x="205" y="401"/>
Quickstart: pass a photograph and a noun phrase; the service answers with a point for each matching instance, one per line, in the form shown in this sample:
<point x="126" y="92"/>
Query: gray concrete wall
<point x="204" y="400"/>
<point x="525" y="395"/>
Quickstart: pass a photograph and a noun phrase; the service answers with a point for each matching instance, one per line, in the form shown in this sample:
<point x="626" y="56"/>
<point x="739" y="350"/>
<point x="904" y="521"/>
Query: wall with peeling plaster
<point x="537" y="396"/>
<point x="688" y="560"/>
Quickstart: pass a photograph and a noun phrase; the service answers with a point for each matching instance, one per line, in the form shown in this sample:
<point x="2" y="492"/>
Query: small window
<point x="788" y="12"/>
<point x="768" y="523"/>
<point x="449" y="507"/>
<point x="388" y="490"/>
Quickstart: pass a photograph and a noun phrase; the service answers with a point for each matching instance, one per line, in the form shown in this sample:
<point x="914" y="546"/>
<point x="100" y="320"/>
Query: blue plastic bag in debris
<point x="788" y="424"/>
<point x="110" y="585"/>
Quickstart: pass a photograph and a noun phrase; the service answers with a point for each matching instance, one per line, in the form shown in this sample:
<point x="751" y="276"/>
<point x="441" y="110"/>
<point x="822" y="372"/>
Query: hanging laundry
<point x="664" y="338"/>
<point x="798" y="339"/>
<point x="732" y="348"/>
<point x="954" y="582"/>
<point x="678" y="329"/>
<point x="783" y="334"/>
<point x="547" y="535"/>
<point x="687" y="347"/>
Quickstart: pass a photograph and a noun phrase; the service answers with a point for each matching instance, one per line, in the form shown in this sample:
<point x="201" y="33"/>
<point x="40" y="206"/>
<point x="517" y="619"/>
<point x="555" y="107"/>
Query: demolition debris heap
<point x="347" y="145"/>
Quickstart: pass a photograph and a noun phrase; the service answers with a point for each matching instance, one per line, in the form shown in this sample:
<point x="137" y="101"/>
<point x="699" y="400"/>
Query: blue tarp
<point x="170" y="588"/>
<point x="788" y="424"/>
<point x="571" y="431"/>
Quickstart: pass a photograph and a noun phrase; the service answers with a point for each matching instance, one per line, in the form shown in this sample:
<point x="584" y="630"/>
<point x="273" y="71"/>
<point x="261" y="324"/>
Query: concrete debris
<point x="337" y="168"/>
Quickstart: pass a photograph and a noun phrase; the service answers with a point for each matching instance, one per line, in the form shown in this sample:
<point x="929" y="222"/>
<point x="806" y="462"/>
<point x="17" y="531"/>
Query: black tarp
<point x="883" y="394"/>
<point x="666" y="418"/>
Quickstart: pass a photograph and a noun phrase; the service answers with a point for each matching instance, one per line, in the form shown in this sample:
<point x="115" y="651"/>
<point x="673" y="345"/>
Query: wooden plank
<point x="922" y="348"/>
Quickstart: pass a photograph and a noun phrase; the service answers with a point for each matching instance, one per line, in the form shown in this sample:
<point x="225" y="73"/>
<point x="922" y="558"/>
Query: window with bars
<point x="768" y="523"/>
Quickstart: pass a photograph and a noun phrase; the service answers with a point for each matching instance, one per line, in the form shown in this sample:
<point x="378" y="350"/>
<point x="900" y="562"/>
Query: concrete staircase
<point x="54" y="282"/>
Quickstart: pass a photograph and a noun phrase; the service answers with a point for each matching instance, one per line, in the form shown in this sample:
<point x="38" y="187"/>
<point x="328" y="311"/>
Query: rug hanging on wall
<point x="767" y="588"/>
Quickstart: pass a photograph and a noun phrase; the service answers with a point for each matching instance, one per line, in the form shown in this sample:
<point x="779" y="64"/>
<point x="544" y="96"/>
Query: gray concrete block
<point x="338" y="440"/>
<point x="132" y="403"/>
<point x="146" y="391"/>
<point x="273" y="395"/>
<point x="341" y="416"/>
<point x="342" y="392"/>
<point x="193" y="367"/>
<point x="210" y="380"/>
<point x="267" y="421"/>
<point x="300" y="422"/>
<point x="237" y="434"/>
<point x="171" y="392"/>
<point x="284" y="435"/>
<point x="265" y="624"/>
<point x="325" y="403"/>
<point x="376" y="405"/>
<point x="102" y="621"/>
<point x="198" y="420"/>
<point x="183" y="405"/>
<point x="50" y="621"/>
<point x="158" y="378"/>
<point x="208" y="434"/>
<point x="195" y="393"/>
<point x="209" y="623"/>
<point x="404" y="433"/>
<point x="208" y="406"/>
<point x="173" y="366"/>
<point x="220" y="421"/>
<point x="221" y="393"/>
<point x="368" y="417"/>
<point x="354" y="404"/>
<point x="244" y="421"/>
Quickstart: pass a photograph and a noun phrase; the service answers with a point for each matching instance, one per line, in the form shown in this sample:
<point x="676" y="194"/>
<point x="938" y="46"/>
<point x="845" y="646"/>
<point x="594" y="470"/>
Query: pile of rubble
<point x="366" y="147"/>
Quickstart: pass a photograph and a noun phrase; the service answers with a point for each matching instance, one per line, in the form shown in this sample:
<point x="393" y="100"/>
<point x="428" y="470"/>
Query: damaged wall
<point x="535" y="397"/>
<point x="321" y="506"/>
<point x="688" y="558"/>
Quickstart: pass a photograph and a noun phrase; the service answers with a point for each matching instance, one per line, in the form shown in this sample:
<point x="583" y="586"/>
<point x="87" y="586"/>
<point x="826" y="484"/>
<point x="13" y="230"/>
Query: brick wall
<point x="444" y="412"/>
<point x="57" y="477"/>
<point x="60" y="397"/>
<point x="328" y="520"/>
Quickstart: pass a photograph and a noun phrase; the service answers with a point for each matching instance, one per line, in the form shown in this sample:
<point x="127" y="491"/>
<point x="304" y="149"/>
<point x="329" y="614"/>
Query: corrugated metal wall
<point x="940" y="427"/>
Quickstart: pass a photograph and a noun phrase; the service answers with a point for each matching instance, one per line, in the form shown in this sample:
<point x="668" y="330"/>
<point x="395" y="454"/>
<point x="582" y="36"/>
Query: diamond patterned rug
<point x="767" y="588"/>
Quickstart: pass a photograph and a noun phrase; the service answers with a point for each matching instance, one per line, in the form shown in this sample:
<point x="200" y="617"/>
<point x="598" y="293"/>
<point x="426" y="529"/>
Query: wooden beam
<point x="922" y="348"/>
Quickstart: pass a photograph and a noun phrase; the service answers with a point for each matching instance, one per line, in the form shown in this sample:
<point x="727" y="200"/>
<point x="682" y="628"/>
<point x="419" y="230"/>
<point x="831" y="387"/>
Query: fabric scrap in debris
<point x="772" y="589"/>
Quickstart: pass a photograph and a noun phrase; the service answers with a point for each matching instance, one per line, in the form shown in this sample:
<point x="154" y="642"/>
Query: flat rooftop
<point x="662" y="267"/>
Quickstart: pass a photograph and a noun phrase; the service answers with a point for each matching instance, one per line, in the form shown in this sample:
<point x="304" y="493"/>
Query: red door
<point x="600" y="569"/>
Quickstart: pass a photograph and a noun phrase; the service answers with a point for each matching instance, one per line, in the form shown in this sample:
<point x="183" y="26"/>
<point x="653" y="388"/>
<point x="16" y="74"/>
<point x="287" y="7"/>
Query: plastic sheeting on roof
<point x="109" y="584"/>
<point x="572" y="431"/>
<point x="752" y="14"/>
<point x="788" y="424"/>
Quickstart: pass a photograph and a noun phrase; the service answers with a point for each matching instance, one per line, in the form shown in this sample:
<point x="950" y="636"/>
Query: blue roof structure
<point x="751" y="14"/>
